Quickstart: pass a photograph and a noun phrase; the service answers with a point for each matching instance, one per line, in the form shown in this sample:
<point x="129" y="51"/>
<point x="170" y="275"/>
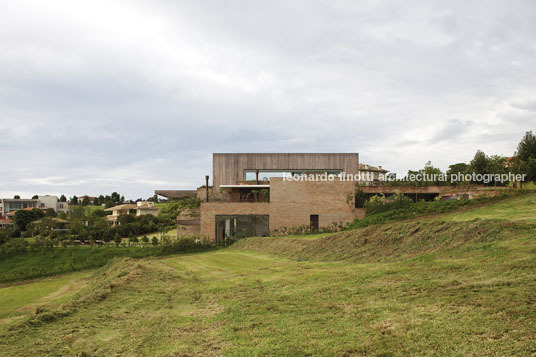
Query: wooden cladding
<point x="229" y="168"/>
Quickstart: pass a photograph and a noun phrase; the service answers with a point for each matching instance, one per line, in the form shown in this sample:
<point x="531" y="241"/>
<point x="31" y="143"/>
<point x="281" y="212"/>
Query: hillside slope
<point x="394" y="241"/>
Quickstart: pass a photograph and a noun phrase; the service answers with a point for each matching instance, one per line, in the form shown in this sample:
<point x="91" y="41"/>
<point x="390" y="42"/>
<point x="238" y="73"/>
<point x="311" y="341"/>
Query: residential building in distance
<point x="145" y="208"/>
<point x="8" y="205"/>
<point x="141" y="208"/>
<point x="48" y="201"/>
<point x="372" y="176"/>
<point x="118" y="211"/>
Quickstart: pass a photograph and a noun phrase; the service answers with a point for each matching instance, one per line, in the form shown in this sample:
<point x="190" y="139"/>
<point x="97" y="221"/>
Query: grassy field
<point x="413" y="288"/>
<point x="522" y="209"/>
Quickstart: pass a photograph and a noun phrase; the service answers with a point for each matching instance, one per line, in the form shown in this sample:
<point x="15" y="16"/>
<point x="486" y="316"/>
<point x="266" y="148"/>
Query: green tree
<point x="479" y="165"/>
<point x="154" y="241"/>
<point x="497" y="165"/>
<point x="115" y="197"/>
<point x="23" y="217"/>
<point x="63" y="198"/>
<point x="85" y="201"/>
<point x="74" y="200"/>
<point x="16" y="197"/>
<point x="454" y="170"/>
<point x="34" y="197"/>
<point x="525" y="162"/>
<point x="50" y="212"/>
<point x="117" y="239"/>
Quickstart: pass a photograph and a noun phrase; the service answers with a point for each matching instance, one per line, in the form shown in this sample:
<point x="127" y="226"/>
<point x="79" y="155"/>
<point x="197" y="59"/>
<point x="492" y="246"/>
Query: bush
<point x="378" y="204"/>
<point x="410" y="210"/>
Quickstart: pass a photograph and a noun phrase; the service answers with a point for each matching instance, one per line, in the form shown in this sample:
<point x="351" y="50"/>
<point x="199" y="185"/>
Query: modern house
<point x="255" y="194"/>
<point x="259" y="194"/>
<point x="8" y="205"/>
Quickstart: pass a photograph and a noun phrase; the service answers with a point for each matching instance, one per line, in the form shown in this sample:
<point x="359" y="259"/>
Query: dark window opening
<point x="231" y="227"/>
<point x="314" y="222"/>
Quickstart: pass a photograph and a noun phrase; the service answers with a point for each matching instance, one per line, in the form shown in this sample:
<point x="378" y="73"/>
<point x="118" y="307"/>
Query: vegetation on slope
<point x="389" y="242"/>
<point x="33" y="264"/>
<point x="422" y="209"/>
<point x="474" y="297"/>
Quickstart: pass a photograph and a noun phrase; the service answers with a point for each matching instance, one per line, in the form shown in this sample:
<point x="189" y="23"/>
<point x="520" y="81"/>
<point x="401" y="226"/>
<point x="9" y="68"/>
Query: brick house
<point x="252" y="194"/>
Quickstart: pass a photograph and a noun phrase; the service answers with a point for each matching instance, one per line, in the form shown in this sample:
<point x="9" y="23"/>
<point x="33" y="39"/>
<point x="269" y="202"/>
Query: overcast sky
<point x="132" y="96"/>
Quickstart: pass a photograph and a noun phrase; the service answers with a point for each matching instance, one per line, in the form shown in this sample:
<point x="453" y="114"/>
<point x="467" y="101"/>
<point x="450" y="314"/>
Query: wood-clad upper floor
<point x="230" y="168"/>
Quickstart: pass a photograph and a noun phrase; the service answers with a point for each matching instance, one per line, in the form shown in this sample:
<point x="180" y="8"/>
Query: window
<point x="314" y="222"/>
<point x="240" y="226"/>
<point x="265" y="175"/>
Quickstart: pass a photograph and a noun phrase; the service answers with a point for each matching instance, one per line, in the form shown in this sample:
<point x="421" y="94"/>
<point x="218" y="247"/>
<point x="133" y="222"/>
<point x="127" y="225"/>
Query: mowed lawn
<point x="478" y="300"/>
<point x="20" y="300"/>
<point x="522" y="209"/>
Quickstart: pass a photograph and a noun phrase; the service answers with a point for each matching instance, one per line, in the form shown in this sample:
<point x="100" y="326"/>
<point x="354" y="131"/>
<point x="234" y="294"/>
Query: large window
<point x="241" y="226"/>
<point x="265" y="175"/>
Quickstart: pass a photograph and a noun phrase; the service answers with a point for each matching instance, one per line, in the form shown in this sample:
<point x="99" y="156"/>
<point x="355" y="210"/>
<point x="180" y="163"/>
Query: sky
<point x="132" y="96"/>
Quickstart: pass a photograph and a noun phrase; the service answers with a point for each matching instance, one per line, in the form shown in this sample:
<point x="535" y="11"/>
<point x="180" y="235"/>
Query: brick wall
<point x="291" y="204"/>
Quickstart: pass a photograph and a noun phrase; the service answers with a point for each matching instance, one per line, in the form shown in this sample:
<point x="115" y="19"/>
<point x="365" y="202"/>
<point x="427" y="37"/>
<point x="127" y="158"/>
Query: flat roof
<point x="245" y="186"/>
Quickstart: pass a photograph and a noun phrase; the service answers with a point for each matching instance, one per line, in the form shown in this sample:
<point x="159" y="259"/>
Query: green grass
<point x="472" y="294"/>
<point x="522" y="209"/>
<point x="431" y="287"/>
<point x="62" y="260"/>
<point x="20" y="300"/>
<point x="421" y="210"/>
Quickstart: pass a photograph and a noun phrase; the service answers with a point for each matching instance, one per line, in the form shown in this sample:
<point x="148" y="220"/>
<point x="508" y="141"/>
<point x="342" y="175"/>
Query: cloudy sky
<point x="132" y="96"/>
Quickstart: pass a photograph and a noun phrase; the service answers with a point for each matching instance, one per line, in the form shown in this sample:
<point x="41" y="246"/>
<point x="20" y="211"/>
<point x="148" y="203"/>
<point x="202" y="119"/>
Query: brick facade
<point x="291" y="204"/>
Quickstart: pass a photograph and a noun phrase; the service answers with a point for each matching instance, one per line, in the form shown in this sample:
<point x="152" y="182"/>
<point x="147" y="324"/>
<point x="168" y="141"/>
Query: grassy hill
<point x="442" y="286"/>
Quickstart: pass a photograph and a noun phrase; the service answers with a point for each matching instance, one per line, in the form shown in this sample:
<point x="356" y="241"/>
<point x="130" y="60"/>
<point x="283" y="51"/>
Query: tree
<point x="16" y="197"/>
<point x="34" y="197"/>
<point x="74" y="200"/>
<point x="526" y="156"/>
<point x="50" y="212"/>
<point x="145" y="239"/>
<point x="454" y="170"/>
<point x="497" y="165"/>
<point x="117" y="239"/>
<point x="85" y="201"/>
<point x="63" y="198"/>
<point x="154" y="241"/>
<point x="115" y="197"/>
<point x="23" y="217"/>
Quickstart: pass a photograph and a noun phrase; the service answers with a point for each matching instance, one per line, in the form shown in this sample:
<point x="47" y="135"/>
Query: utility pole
<point x="206" y="185"/>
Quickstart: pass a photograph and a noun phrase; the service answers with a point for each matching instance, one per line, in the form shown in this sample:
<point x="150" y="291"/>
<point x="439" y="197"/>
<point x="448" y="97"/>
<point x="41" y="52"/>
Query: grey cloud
<point x="132" y="96"/>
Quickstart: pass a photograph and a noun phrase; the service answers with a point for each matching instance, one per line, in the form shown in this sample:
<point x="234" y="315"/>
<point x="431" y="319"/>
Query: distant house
<point x="142" y="208"/>
<point x="90" y="199"/>
<point x="53" y="223"/>
<point x="371" y="175"/>
<point x="145" y="208"/>
<point x="118" y="211"/>
<point x="6" y="223"/>
<point x="10" y="205"/>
